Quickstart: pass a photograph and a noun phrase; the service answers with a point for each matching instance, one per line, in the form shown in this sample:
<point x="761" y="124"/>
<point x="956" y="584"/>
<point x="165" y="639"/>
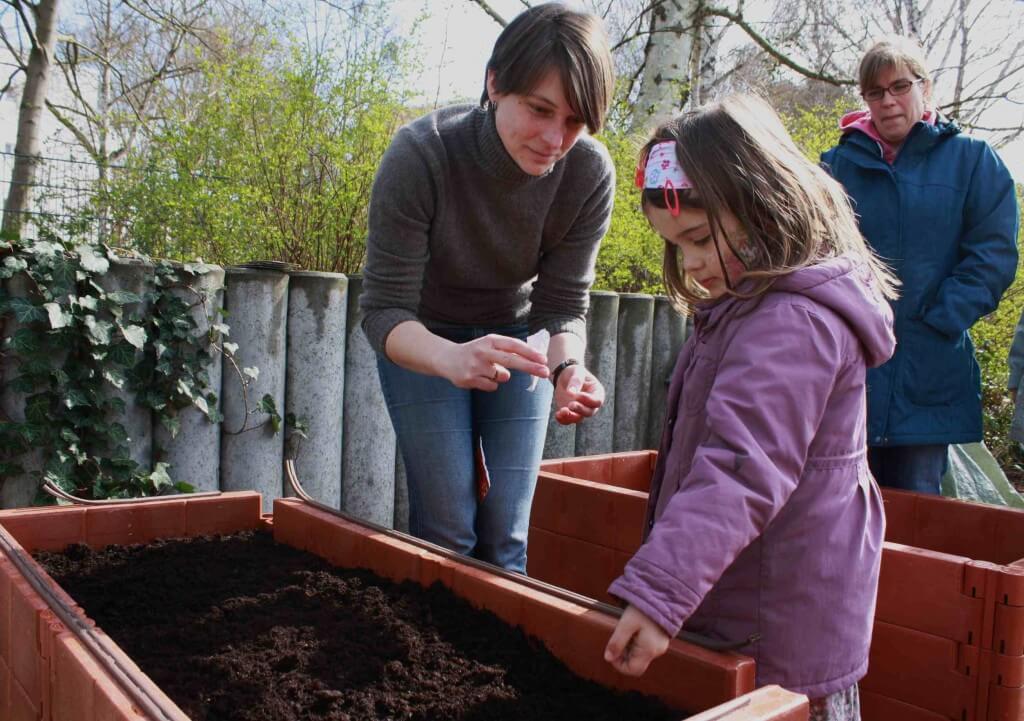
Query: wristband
<point x="561" y="367"/>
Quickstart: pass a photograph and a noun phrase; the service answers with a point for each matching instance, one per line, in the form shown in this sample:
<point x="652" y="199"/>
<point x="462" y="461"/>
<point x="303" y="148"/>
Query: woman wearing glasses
<point x="940" y="208"/>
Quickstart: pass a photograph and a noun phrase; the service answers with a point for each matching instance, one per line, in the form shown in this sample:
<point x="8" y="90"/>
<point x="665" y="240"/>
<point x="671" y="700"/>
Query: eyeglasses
<point x="900" y="87"/>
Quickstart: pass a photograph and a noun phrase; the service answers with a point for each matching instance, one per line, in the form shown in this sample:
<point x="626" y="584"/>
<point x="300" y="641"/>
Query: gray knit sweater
<point x="460" y="235"/>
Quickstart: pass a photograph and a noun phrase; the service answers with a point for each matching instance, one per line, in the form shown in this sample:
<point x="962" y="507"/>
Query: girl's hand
<point x="484" y="363"/>
<point x="636" y="641"/>
<point x="578" y="395"/>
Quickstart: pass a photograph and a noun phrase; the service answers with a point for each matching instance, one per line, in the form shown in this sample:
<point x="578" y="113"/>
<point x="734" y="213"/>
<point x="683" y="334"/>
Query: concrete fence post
<point x="134" y="276"/>
<point x="315" y="387"/>
<point x="401" y="495"/>
<point x="194" y="453"/>
<point x="667" y="338"/>
<point x="20" y="490"/>
<point x="596" y="434"/>
<point x="633" y="370"/>
<point x="369" y="447"/>
<point x="257" y="303"/>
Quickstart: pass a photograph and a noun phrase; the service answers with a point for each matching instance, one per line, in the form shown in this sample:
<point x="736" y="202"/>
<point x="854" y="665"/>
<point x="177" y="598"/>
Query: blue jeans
<point x="437" y="425"/>
<point x="910" y="468"/>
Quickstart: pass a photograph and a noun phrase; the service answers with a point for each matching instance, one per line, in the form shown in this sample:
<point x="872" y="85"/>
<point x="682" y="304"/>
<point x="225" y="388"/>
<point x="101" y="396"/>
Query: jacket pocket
<point x="937" y="369"/>
<point x="697" y="382"/>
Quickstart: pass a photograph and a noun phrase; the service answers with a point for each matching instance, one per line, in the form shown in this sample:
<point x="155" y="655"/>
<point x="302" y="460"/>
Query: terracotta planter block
<point x="142" y="524"/>
<point x="631" y="469"/>
<point x="55" y="534"/>
<point x="922" y="670"/>
<point x="597" y="513"/>
<point x="553" y="558"/>
<point x="5" y="690"/>
<point x="47" y="674"/>
<point x="938" y="580"/>
<point x="974" y="530"/>
<point x="873" y="705"/>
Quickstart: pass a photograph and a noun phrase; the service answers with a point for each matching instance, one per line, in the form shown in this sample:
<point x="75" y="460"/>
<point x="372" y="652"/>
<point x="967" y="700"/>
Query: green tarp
<point x="974" y="475"/>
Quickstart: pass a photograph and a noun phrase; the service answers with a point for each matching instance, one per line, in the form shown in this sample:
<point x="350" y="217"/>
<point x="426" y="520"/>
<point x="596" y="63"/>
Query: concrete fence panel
<point x="633" y="371"/>
<point x="252" y="460"/>
<point x="596" y="434"/>
<point x="368" y="455"/>
<point x="315" y="387"/>
<point x="194" y="453"/>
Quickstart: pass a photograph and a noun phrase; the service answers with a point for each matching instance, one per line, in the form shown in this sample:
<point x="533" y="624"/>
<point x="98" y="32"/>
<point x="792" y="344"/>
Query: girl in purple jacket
<point x="764" y="523"/>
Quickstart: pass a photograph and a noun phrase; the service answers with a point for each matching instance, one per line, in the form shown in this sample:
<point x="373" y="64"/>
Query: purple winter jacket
<point x="763" y="517"/>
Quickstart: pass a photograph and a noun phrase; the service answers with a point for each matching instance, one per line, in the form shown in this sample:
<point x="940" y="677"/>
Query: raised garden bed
<point x="948" y="641"/>
<point x="47" y="673"/>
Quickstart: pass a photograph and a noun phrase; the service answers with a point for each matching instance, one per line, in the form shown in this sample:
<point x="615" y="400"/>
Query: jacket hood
<point x="847" y="287"/>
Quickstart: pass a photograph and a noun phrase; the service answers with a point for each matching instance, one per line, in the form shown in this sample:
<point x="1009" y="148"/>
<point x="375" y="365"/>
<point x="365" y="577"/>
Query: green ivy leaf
<point x="114" y="378"/>
<point x="75" y="397"/>
<point x="123" y="297"/>
<point x="99" y="330"/>
<point x="171" y="423"/>
<point x="251" y="372"/>
<point x="25" y="311"/>
<point x="267" y="405"/>
<point x="183" y="487"/>
<point x="12" y="264"/>
<point x="91" y="260"/>
<point x="121" y="353"/>
<point x="134" y="334"/>
<point x="201" y="404"/>
<point x="160" y="477"/>
<point x="63" y="272"/>
<point x="58" y="318"/>
<point x="24" y="342"/>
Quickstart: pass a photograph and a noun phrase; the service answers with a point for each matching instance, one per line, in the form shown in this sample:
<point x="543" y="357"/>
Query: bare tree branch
<point x="492" y="12"/>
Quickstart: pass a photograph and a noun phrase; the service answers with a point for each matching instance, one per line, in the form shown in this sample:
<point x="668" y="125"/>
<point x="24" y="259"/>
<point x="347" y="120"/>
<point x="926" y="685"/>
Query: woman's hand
<point x="484" y="363"/>
<point x="635" y="642"/>
<point x="578" y="395"/>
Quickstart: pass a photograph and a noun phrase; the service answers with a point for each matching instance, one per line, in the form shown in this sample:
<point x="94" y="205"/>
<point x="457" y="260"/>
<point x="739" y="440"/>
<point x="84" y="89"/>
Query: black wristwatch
<point x="561" y="367"/>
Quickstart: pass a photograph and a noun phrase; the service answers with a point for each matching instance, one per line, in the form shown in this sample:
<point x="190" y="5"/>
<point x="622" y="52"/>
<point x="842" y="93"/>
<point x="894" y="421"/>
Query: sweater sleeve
<point x="560" y="296"/>
<point x="402" y="207"/>
<point x="988" y="250"/>
<point x="762" y="415"/>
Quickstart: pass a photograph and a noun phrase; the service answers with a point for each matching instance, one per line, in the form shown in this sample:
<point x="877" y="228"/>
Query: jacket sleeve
<point x="1016" y="357"/>
<point x="763" y="412"/>
<point x="402" y="206"/>
<point x="560" y="296"/>
<point x="988" y="250"/>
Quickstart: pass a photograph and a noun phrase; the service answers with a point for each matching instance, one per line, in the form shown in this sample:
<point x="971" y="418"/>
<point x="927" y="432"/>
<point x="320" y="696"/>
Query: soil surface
<point x="239" y="628"/>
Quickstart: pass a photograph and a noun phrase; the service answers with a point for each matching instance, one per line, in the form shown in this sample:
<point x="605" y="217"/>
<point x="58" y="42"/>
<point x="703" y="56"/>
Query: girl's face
<point x="691" y="232"/>
<point x="894" y="115"/>
<point x="537" y="128"/>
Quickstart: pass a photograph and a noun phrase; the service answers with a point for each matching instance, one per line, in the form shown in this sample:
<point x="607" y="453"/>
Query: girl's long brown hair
<point x="739" y="157"/>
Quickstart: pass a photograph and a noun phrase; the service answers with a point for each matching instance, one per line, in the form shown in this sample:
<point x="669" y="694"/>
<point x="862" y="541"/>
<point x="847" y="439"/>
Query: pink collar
<point x="861" y="120"/>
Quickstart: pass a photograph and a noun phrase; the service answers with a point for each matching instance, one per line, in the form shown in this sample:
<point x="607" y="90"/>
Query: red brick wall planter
<point x="47" y="674"/>
<point x="949" y="627"/>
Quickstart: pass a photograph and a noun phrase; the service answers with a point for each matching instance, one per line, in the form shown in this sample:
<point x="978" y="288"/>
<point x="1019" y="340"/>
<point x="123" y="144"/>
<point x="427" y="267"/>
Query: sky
<point x="454" y="43"/>
<point x="457" y="43"/>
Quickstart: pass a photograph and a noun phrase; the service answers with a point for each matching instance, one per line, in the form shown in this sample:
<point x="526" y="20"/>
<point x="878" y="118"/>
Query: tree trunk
<point x="665" y="86"/>
<point x="30" y="114"/>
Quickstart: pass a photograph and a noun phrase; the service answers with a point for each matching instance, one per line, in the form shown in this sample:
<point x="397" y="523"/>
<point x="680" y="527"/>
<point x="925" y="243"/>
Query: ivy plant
<point x="77" y="350"/>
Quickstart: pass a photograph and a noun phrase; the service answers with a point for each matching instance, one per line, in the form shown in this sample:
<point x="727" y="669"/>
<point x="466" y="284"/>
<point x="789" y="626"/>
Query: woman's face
<point x="894" y="115"/>
<point x="691" y="232"/>
<point x="537" y="128"/>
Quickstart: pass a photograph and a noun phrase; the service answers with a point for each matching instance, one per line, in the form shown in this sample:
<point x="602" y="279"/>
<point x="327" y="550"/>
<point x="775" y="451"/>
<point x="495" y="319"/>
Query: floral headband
<point x="660" y="169"/>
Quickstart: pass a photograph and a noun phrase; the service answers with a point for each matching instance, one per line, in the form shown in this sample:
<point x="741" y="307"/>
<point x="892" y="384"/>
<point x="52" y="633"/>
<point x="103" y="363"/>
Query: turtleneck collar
<point x="494" y="158"/>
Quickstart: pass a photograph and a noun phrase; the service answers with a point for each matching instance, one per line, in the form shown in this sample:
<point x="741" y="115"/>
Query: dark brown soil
<point x="239" y="628"/>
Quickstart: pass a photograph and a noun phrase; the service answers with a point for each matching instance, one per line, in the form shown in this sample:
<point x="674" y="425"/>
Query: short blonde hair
<point x="894" y="51"/>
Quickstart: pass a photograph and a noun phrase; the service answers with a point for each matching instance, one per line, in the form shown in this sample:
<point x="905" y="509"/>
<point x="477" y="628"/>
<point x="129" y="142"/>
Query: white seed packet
<point x="538" y="341"/>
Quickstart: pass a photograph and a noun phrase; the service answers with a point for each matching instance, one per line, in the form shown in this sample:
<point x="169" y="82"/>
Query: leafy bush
<point x="276" y="162"/>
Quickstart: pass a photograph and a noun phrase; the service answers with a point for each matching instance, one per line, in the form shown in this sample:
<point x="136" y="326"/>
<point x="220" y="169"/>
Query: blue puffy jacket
<point x="944" y="216"/>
